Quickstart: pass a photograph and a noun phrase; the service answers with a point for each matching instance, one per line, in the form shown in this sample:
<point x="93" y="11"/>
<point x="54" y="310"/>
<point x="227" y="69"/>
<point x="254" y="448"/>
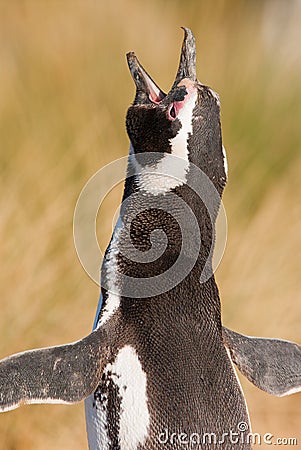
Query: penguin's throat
<point x="162" y="177"/>
<point x="160" y="172"/>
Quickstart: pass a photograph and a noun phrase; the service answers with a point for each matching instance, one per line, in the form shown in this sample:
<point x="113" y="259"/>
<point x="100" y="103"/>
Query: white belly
<point x="119" y="412"/>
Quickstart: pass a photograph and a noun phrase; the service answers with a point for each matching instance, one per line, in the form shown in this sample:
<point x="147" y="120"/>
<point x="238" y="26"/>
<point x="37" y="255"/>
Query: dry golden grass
<point x="64" y="89"/>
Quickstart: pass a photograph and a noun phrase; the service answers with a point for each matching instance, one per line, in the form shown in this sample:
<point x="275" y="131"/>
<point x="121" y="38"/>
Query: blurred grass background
<point x="65" y="88"/>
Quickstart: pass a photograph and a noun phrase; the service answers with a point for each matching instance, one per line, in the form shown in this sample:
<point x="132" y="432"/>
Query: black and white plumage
<point x="163" y="361"/>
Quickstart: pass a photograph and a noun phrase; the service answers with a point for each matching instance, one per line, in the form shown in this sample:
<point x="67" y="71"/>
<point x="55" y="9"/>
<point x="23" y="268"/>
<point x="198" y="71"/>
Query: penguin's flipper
<point x="62" y="374"/>
<point x="273" y="365"/>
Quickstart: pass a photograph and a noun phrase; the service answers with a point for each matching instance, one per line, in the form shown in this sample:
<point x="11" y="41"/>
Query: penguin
<point x="157" y="369"/>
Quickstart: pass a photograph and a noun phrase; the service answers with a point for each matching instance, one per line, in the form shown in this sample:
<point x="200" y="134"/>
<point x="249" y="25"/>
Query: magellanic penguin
<point x="156" y="371"/>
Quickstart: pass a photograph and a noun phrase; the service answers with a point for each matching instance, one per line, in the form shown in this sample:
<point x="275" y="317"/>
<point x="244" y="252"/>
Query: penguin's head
<point x="185" y="122"/>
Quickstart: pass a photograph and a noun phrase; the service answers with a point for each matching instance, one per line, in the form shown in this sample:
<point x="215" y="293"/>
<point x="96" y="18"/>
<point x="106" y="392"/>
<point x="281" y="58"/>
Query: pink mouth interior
<point x="155" y="94"/>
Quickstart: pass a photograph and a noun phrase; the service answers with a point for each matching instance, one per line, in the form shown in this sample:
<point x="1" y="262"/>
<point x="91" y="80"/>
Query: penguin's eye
<point x="172" y="113"/>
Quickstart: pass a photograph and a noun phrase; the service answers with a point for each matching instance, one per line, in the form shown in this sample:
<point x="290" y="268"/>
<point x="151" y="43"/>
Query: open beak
<point x="146" y="89"/>
<point x="145" y="86"/>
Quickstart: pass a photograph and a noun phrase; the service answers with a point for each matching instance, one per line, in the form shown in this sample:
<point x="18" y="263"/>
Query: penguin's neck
<point x="159" y="178"/>
<point x="153" y="200"/>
